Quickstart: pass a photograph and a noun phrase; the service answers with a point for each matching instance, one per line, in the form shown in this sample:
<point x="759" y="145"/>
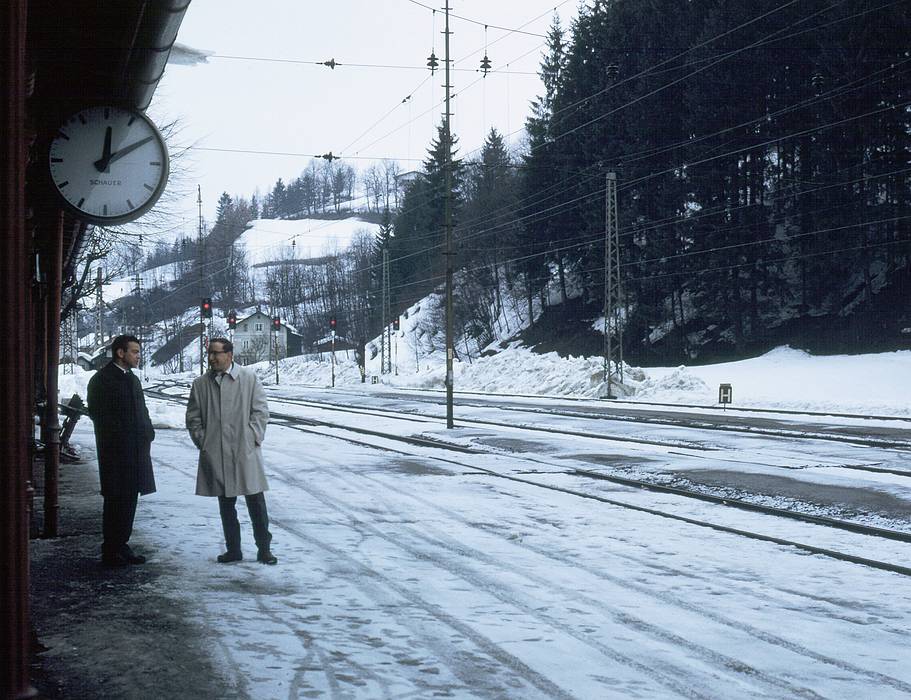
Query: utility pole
<point x="332" y="360"/>
<point x="179" y="329"/>
<point x="447" y="168"/>
<point x="199" y="263"/>
<point x="141" y="326"/>
<point x="70" y="342"/>
<point x="385" y="349"/>
<point x="613" y="351"/>
<point x="99" y="309"/>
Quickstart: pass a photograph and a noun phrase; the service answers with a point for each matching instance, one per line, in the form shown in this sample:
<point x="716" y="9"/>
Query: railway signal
<point x="395" y="323"/>
<point x="332" y="324"/>
<point x="205" y="307"/>
<point x="232" y="320"/>
<point x="276" y="323"/>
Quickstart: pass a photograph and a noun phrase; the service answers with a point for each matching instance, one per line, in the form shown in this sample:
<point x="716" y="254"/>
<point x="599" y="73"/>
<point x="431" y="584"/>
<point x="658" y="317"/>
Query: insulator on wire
<point x="485" y="65"/>
<point x="612" y="71"/>
<point x="818" y="80"/>
<point x="432" y="62"/>
<point x="331" y="63"/>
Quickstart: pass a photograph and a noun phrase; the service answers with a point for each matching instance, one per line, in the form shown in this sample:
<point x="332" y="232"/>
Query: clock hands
<point x="105" y="152"/>
<point x="107" y="157"/>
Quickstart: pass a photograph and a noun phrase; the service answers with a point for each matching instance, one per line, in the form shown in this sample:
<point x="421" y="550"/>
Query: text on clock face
<point x="109" y="164"/>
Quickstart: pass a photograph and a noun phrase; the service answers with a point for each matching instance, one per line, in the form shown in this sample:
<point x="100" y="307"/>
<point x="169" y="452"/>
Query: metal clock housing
<point x="109" y="164"/>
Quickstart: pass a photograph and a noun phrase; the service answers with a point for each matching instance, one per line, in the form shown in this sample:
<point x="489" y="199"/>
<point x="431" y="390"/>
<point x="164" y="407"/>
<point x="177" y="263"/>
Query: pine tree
<point x="540" y="165"/>
<point x="420" y="226"/>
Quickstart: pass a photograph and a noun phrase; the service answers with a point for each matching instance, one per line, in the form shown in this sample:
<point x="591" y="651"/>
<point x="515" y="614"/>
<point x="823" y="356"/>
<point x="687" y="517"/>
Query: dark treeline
<point x="762" y="155"/>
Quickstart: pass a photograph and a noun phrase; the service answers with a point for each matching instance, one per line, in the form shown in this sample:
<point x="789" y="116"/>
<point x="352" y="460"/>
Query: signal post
<point x="332" y="324"/>
<point x="205" y="312"/>
<point x="276" y="327"/>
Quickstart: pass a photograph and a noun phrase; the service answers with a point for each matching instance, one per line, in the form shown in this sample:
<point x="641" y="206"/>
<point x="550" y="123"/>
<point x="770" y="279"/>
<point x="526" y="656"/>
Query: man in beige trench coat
<point x="227" y="416"/>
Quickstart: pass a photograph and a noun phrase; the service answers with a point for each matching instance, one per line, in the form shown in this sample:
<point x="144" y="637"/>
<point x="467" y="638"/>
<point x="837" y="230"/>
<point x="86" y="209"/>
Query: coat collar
<point x="232" y="371"/>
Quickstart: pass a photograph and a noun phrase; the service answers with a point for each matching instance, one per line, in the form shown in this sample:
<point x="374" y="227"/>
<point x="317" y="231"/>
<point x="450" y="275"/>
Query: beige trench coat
<point x="227" y="423"/>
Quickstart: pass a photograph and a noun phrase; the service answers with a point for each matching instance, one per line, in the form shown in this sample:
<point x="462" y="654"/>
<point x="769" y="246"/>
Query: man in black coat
<point x="123" y="438"/>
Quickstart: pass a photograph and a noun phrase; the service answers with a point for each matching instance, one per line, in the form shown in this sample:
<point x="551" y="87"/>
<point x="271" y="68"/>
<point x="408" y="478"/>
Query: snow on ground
<point x="789" y="378"/>
<point x="785" y="378"/>
<point x="266" y="240"/>
<point x="403" y="576"/>
<point x="271" y="239"/>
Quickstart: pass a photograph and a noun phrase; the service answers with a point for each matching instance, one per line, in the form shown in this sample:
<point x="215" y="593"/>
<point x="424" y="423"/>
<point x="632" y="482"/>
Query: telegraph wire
<point x="474" y="21"/>
<point x="333" y="64"/>
<point x="292" y="154"/>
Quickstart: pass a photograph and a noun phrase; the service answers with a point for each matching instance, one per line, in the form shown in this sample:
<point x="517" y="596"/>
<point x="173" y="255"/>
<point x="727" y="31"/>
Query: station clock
<point x="108" y="164"/>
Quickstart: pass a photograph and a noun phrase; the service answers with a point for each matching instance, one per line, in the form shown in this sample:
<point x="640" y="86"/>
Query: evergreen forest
<point x="761" y="152"/>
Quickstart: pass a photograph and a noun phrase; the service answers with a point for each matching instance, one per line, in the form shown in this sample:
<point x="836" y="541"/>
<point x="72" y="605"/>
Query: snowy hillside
<point x="267" y="240"/>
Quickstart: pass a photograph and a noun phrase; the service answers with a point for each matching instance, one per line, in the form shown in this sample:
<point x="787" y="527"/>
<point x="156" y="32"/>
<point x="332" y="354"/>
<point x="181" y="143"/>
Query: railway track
<point x="699" y="450"/>
<point x="732" y="425"/>
<point x="431" y="448"/>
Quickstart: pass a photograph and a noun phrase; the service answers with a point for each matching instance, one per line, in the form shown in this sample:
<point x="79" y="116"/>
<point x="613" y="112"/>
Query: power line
<point x="478" y="22"/>
<point x="333" y="64"/>
<point x="291" y="154"/>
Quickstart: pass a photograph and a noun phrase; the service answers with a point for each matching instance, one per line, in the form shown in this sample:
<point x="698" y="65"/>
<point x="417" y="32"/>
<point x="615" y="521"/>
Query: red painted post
<point x="17" y="341"/>
<point x="51" y="412"/>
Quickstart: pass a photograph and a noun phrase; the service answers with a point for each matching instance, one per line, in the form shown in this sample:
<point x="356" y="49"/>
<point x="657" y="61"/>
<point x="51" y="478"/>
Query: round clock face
<point x="110" y="164"/>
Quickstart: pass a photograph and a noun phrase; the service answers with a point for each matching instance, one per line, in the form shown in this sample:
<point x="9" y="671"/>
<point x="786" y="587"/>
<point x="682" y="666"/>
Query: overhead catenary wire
<point x="474" y="21"/>
<point x="690" y="164"/>
<point x="469" y="153"/>
<point x="338" y="64"/>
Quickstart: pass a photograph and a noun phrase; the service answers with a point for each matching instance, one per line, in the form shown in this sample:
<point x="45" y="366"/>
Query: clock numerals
<point x="109" y="164"/>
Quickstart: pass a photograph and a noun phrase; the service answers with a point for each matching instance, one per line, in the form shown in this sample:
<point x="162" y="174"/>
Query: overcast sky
<point x="263" y="89"/>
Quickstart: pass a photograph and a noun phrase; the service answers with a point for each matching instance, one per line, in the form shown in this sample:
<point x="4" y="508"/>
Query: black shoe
<point x="131" y="557"/>
<point x="114" y="561"/>
<point x="266" y="557"/>
<point x="228" y="557"/>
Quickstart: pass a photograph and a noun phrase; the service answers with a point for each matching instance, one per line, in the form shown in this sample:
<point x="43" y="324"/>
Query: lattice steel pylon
<point x="386" y="337"/>
<point x="70" y="343"/>
<point x="99" y="308"/>
<point x="613" y="292"/>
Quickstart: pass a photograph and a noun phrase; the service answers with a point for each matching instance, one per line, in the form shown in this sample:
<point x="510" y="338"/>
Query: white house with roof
<point x="255" y="340"/>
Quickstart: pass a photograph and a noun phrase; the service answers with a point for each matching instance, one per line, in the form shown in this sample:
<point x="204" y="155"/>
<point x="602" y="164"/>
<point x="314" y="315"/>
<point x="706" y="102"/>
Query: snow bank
<point x="785" y="378"/>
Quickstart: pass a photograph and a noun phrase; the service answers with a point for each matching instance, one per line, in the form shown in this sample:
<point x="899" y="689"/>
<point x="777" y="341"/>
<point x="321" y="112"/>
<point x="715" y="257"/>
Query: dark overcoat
<point x="123" y="432"/>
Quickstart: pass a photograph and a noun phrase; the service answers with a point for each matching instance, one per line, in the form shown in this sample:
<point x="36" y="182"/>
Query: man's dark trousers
<point x="117" y="523"/>
<point x="259" y="517"/>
